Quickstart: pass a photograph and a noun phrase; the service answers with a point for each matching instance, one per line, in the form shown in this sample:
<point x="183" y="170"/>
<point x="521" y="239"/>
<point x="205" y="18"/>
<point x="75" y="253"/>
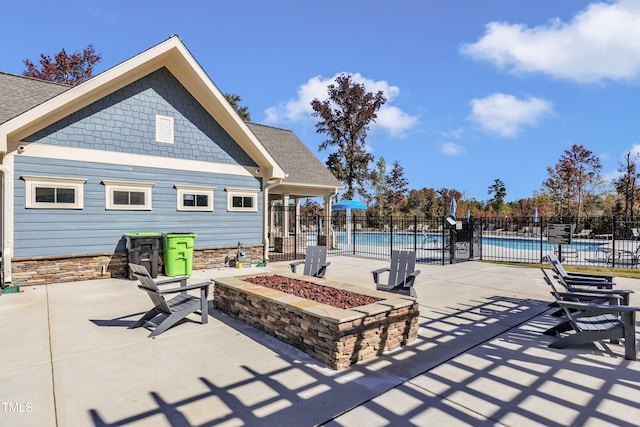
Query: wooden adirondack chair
<point x="170" y="312"/>
<point x="402" y="273"/>
<point x="315" y="262"/>
<point x="594" y="322"/>
<point x="580" y="279"/>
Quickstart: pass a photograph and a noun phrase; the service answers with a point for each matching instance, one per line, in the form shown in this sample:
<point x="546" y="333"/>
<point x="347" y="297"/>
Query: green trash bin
<point x="178" y="253"/>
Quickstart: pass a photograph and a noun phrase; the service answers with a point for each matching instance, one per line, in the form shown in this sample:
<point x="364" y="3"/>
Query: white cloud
<point x="390" y="118"/>
<point x="635" y="152"/>
<point x="454" y="134"/>
<point x="505" y="114"/>
<point x="600" y="42"/>
<point x="451" y="149"/>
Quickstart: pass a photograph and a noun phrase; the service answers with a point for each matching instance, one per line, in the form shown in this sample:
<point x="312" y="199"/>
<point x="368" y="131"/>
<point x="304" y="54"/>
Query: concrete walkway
<point x="68" y="359"/>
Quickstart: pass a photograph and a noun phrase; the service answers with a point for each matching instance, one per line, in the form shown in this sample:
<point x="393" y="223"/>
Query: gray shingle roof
<point x="302" y="166"/>
<point x="19" y="94"/>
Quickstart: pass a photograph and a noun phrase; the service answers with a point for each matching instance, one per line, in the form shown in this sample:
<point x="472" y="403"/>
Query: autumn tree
<point x="379" y="182"/>
<point x="577" y="171"/>
<point x="243" y="111"/>
<point x="397" y="187"/>
<point x="64" y="68"/>
<point x="422" y="202"/>
<point x="626" y="184"/>
<point x="345" y="118"/>
<point x="499" y="192"/>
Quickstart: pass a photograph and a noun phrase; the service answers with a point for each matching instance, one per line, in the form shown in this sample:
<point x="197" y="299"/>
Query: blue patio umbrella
<point x="535" y="215"/>
<point x="452" y="208"/>
<point x="348" y="205"/>
<point x="468" y="214"/>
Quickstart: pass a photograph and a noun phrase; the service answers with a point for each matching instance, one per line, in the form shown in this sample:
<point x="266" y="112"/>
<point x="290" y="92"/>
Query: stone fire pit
<point x="335" y="336"/>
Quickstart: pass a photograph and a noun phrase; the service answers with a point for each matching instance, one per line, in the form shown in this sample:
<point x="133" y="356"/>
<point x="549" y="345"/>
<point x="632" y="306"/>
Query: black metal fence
<point x="602" y="241"/>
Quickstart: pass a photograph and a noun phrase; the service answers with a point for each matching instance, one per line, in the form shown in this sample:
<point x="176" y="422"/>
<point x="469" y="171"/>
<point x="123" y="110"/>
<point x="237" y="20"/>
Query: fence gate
<point x="464" y="240"/>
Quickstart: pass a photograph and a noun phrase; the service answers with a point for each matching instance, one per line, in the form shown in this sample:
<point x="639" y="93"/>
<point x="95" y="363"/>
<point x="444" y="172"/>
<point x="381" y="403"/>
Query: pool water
<point x="435" y="239"/>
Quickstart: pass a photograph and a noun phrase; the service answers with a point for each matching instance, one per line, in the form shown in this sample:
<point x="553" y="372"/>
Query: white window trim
<point x="32" y="182"/>
<point x="164" y="129"/>
<point x="111" y="186"/>
<point x="196" y="190"/>
<point x="243" y="192"/>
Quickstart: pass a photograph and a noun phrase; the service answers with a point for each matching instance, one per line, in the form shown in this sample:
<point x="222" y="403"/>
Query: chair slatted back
<point x="402" y="264"/>
<point x="557" y="296"/>
<point x="315" y="259"/>
<point x="149" y="285"/>
<point x="556" y="265"/>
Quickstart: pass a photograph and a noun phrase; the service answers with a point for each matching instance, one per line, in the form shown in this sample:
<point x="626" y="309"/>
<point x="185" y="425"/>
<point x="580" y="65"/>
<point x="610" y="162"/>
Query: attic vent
<point x="164" y="129"/>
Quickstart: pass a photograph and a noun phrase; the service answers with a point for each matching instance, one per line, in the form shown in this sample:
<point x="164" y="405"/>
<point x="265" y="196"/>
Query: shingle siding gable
<point x="124" y="121"/>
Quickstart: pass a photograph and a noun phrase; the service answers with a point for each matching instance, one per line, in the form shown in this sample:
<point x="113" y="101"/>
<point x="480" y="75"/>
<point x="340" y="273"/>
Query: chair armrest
<point x="294" y="264"/>
<point x="184" y="288"/>
<point x="414" y="273"/>
<point x="620" y="292"/>
<point x="610" y="296"/>
<point x="377" y="272"/>
<point x="599" y="308"/>
<point x="181" y="279"/>
<point x="581" y="282"/>
<point x="590" y="276"/>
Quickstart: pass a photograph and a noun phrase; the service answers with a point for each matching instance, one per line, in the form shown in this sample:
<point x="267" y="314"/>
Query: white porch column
<point x="285" y="215"/>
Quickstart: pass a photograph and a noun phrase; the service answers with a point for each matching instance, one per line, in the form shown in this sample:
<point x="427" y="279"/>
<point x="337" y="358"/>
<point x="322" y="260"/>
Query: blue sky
<point x="477" y="90"/>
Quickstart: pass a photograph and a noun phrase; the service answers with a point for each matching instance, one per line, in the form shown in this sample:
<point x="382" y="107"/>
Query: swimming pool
<point x="366" y="238"/>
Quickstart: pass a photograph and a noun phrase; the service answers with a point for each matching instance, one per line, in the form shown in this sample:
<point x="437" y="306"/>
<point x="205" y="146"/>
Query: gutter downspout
<point x="269" y="184"/>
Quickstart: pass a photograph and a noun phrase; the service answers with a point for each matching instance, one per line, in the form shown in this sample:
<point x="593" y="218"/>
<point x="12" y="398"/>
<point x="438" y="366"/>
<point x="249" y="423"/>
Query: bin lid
<point x="143" y="234"/>
<point x="179" y="233"/>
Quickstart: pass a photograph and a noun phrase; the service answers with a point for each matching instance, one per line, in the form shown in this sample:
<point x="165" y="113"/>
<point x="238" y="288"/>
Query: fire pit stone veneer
<point x="334" y="336"/>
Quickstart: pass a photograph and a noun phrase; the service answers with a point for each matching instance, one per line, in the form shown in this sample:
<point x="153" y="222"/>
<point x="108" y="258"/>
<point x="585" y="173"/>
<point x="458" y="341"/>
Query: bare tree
<point x="626" y="185"/>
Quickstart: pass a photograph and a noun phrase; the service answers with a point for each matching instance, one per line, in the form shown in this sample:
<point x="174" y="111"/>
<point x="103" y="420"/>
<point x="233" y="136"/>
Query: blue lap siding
<point x="94" y="229"/>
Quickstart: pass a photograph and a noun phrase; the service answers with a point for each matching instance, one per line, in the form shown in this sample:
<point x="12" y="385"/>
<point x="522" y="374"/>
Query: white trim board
<point x="58" y="152"/>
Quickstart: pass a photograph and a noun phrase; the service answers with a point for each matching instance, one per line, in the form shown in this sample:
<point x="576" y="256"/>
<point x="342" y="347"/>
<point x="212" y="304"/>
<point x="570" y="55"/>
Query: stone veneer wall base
<point x="73" y="268"/>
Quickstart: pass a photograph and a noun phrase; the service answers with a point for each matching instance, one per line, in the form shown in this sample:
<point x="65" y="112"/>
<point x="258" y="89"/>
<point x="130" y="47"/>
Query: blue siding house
<point x="150" y="145"/>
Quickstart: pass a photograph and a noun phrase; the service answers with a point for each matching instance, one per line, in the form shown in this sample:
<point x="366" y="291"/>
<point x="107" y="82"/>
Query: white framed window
<point x="128" y="196"/>
<point x="242" y="200"/>
<point x="194" y="198"/>
<point x="46" y="192"/>
<point x="164" y="129"/>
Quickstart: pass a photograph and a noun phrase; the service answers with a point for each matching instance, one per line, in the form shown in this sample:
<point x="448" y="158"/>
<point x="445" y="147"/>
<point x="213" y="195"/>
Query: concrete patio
<point x="68" y="359"/>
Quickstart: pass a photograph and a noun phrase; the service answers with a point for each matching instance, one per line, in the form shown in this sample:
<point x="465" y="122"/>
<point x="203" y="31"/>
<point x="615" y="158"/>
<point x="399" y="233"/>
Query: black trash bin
<point x="143" y="249"/>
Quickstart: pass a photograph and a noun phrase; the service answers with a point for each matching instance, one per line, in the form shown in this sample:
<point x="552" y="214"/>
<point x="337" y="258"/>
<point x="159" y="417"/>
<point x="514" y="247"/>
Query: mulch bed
<point x="323" y="294"/>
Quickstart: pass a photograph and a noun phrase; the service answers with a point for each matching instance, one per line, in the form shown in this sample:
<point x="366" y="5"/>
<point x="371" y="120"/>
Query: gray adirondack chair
<point x="594" y="322"/>
<point x="580" y="279"/>
<point x="622" y="295"/>
<point x="402" y="274"/>
<point x="169" y="312"/>
<point x="315" y="262"/>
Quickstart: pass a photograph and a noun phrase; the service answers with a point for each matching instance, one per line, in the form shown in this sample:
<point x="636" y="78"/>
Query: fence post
<point x="613" y="241"/>
<point x="415" y="233"/>
<point x="391" y="233"/>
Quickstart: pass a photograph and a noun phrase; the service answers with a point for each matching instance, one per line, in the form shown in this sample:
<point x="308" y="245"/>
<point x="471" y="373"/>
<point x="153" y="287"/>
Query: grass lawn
<point x="633" y="273"/>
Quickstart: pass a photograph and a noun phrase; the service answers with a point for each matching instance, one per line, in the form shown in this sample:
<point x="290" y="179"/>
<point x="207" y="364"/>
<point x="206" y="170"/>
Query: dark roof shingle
<point x="301" y="165"/>
<point x="19" y="94"/>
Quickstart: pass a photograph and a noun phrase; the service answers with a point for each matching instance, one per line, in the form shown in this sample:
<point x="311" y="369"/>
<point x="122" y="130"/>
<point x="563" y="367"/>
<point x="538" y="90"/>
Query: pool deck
<point x="69" y="359"/>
